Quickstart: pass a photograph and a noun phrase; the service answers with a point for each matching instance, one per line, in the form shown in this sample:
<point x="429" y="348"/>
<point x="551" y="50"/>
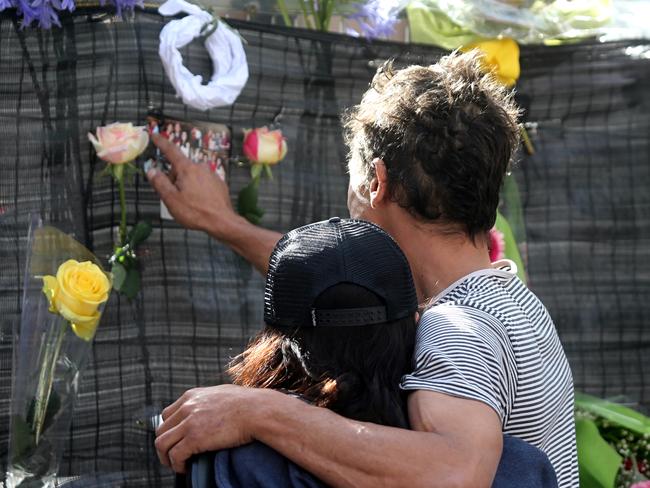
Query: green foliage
<point x="139" y="233"/>
<point x="247" y="202"/>
<point x="598" y="461"/>
<point x="317" y="13"/>
<point x="511" y="251"/>
<point x="124" y="261"/>
<point x="624" y="431"/>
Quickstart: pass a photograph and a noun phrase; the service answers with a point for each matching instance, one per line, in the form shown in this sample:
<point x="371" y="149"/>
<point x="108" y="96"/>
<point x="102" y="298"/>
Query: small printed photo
<point x="203" y="143"/>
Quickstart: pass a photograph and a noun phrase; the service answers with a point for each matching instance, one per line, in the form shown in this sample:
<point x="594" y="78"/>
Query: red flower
<point x="497" y="245"/>
<point x="264" y="146"/>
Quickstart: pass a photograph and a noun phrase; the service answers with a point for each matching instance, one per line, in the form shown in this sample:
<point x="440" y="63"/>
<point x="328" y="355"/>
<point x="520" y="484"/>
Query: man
<point x="429" y="147"/>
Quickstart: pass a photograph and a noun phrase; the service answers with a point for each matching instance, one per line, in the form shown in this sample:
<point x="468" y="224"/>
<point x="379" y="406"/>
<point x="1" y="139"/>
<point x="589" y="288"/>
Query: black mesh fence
<point x="585" y="196"/>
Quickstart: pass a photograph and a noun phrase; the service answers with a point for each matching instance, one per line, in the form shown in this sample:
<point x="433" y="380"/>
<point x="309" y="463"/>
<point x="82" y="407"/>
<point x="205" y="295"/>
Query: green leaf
<point x="598" y="462"/>
<point x="512" y="251"/>
<point x="267" y="170"/>
<point x="132" y="283"/>
<point x="22" y="439"/>
<point x="119" y="276"/>
<point x="130" y="171"/>
<point x="253" y="218"/>
<point x="139" y="233"/>
<point x="256" y="170"/>
<point x="247" y="203"/>
<point x="282" y="6"/>
<point x="53" y="407"/>
<point x="614" y="413"/>
<point x="117" y="170"/>
<point x="107" y="171"/>
<point x="512" y="207"/>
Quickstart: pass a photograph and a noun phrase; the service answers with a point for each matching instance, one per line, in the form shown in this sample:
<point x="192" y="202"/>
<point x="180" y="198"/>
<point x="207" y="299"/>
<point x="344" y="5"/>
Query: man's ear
<point x="379" y="184"/>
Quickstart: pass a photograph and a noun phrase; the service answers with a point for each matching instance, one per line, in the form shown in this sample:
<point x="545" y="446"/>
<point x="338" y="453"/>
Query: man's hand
<point x="196" y="198"/>
<point x="205" y="419"/>
<point x="199" y="199"/>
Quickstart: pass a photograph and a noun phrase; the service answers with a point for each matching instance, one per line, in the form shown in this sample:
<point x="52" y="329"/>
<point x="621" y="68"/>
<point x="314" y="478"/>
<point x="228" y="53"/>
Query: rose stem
<point x="118" y="174"/>
<point x="45" y="380"/>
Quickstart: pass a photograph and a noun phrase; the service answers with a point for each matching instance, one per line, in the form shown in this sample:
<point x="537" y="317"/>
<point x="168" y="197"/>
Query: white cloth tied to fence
<point x="230" y="68"/>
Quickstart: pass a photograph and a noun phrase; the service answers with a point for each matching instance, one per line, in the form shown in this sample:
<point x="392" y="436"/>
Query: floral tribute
<point x="45" y="13"/>
<point x="613" y="444"/>
<point x="262" y="148"/>
<point x="119" y="145"/>
<point x="65" y="293"/>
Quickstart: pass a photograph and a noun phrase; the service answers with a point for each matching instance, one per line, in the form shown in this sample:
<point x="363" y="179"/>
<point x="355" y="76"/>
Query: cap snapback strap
<point x="348" y="316"/>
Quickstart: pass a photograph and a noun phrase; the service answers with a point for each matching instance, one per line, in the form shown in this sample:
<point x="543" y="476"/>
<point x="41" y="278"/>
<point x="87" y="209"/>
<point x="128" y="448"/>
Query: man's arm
<point x="458" y="443"/>
<point x="199" y="199"/>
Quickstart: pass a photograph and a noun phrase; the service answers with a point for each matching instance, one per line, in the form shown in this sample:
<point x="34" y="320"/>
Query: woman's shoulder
<point x="256" y="465"/>
<point x="253" y="465"/>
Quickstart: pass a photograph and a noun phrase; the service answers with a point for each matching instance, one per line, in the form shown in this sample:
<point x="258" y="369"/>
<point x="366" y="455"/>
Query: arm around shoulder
<point x="455" y="442"/>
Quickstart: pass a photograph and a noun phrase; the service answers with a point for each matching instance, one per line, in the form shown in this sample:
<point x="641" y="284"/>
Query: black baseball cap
<point x="312" y="259"/>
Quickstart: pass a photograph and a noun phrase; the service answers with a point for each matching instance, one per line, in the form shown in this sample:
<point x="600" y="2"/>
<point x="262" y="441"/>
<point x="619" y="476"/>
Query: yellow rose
<point x="119" y="143"/>
<point x="76" y="292"/>
<point x="501" y="56"/>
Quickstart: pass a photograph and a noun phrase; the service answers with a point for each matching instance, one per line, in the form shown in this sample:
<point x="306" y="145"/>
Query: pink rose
<point x="264" y="146"/>
<point x="497" y="245"/>
<point x="119" y="143"/>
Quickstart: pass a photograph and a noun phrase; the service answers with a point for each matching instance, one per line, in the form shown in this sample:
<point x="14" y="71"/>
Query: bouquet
<point x="613" y="444"/>
<point x="65" y="292"/>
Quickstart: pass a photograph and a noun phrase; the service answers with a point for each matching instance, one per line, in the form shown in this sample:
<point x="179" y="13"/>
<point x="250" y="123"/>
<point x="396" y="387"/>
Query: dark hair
<point x="447" y="134"/>
<point x="354" y="371"/>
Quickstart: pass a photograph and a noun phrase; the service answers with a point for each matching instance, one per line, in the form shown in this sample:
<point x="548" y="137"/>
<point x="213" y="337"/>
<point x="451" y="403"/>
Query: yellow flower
<point x="76" y="292"/>
<point x="119" y="143"/>
<point x="501" y="56"/>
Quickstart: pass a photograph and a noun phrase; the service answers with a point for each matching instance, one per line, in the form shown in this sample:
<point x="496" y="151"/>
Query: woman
<point x="340" y="312"/>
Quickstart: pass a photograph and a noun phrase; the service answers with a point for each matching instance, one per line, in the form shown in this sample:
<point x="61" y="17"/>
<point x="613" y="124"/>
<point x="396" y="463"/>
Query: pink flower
<point x="264" y="146"/>
<point x="641" y="484"/>
<point x="119" y="143"/>
<point x="497" y="245"/>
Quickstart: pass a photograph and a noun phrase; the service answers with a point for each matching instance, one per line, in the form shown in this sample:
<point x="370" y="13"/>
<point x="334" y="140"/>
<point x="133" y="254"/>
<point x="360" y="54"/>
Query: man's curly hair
<point x="447" y="134"/>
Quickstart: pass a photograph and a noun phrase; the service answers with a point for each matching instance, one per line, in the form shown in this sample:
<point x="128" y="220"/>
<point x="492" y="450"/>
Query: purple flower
<point x="6" y="4"/>
<point x="376" y="18"/>
<point x="124" y="5"/>
<point x="64" y="5"/>
<point x="42" y="11"/>
<point x="46" y="14"/>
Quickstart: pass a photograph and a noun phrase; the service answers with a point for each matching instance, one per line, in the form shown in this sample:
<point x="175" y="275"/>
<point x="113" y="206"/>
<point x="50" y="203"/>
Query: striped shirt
<point x="489" y="338"/>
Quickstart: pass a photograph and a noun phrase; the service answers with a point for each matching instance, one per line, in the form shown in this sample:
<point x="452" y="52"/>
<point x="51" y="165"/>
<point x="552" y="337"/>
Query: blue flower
<point x="124" y="5"/>
<point x="42" y="11"/>
<point x="6" y="4"/>
<point x="45" y="12"/>
<point x="64" y="5"/>
<point x="376" y="18"/>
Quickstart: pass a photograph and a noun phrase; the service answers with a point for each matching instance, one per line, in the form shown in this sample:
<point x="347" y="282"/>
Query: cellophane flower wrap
<point x="65" y="291"/>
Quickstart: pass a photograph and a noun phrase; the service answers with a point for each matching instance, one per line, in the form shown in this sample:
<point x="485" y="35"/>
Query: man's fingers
<point x="166" y="441"/>
<point x="171" y="420"/>
<point x="180" y="401"/>
<point x="179" y="454"/>
<point x="162" y="452"/>
<point x="172" y="152"/>
<point x="162" y="184"/>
